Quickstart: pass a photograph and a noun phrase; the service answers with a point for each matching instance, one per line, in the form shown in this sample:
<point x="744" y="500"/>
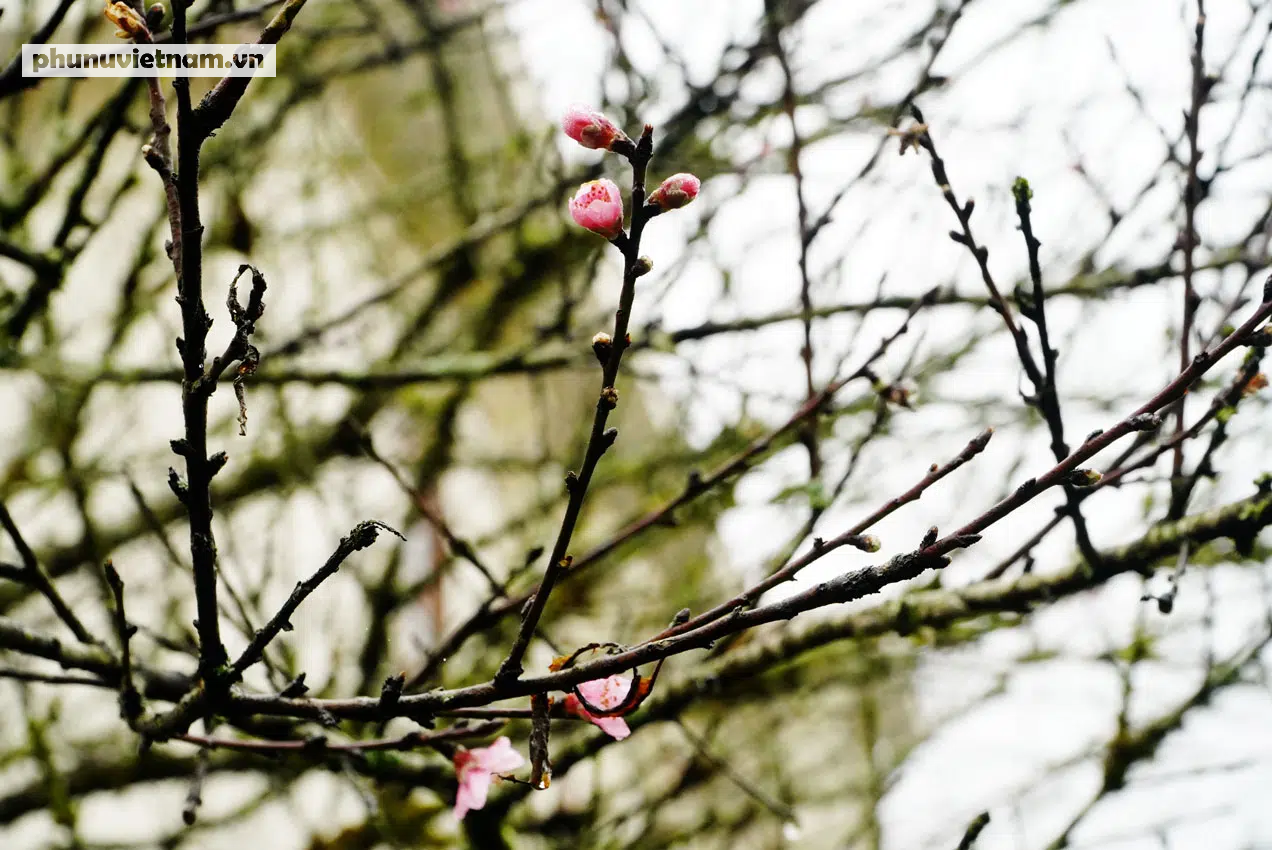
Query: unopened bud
<point x="1256" y="383"/>
<point x="1145" y="422"/>
<point x="1084" y="477"/>
<point x="676" y="191"/>
<point x="602" y="344"/>
<point x="591" y="129"/>
<point x="126" y="18"/>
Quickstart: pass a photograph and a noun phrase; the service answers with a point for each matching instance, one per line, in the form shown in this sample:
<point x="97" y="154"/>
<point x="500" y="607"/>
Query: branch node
<point x="1084" y="478"/>
<point x="390" y="693"/>
<point x="217" y="462"/>
<point x="178" y="486"/>
<point x="1143" y="422"/>
<point x="295" y="688"/>
<point x="929" y="537"/>
<point x="602" y="344"/>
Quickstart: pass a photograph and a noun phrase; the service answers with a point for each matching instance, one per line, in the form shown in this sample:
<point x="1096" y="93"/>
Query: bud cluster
<point x="598" y="204"/>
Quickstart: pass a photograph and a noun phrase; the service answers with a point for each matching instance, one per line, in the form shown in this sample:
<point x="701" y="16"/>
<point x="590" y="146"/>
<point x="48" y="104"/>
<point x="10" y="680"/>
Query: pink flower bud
<point x="590" y="128"/>
<point x="598" y="206"/>
<point x="676" y="191"/>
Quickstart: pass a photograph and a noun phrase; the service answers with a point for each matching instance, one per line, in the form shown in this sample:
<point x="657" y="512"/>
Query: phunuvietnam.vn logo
<point x="148" y="60"/>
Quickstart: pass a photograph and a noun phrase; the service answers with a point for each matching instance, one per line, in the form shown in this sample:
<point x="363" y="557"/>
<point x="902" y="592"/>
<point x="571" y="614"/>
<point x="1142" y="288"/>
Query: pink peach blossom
<point x="598" y="206"/>
<point x="676" y="191"/>
<point x="603" y="693"/>
<point x="590" y="128"/>
<point x="475" y="770"/>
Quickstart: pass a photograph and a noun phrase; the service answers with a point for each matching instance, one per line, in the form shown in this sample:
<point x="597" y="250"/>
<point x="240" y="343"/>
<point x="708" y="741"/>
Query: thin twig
<point x="1045" y="397"/>
<point x="973" y="831"/>
<point x="1201" y="85"/>
<point x="319" y="743"/>
<point x="33" y="575"/>
<point x="820" y="547"/>
<point x="600" y="439"/>
<point x="362" y="536"/>
<point x="130" y="706"/>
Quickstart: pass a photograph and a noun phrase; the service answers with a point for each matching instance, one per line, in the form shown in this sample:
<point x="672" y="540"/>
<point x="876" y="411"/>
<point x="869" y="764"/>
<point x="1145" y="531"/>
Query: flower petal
<point x="598" y="206"/>
<point x="615" y="727"/>
<point x="499" y="757"/>
<point x="606" y="693"/>
<point x="602" y="693"/>
<point x="474" y="786"/>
